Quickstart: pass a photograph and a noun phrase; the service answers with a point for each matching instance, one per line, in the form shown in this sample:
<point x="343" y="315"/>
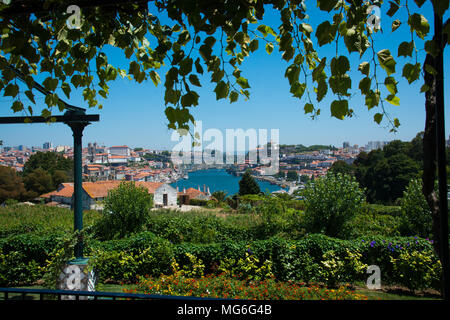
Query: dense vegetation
<point x="267" y="242"/>
<point x="42" y="173"/>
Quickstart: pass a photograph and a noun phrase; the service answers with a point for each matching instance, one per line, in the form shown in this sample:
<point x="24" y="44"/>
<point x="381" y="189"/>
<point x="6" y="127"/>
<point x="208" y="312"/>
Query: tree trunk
<point x="430" y="152"/>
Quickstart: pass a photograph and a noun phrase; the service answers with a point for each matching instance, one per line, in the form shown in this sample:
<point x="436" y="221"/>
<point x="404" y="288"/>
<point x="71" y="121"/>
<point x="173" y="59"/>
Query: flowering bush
<point x="248" y="268"/>
<point x="225" y="287"/>
<point x="417" y="270"/>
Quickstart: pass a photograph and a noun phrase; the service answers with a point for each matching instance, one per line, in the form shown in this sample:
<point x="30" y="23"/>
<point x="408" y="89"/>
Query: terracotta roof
<point x="64" y="190"/>
<point x="99" y="189"/>
<point x="192" y="192"/>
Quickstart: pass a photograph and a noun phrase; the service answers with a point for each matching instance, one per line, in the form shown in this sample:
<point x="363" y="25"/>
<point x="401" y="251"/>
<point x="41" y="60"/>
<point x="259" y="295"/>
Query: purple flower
<point x="372" y="243"/>
<point x="249" y="251"/>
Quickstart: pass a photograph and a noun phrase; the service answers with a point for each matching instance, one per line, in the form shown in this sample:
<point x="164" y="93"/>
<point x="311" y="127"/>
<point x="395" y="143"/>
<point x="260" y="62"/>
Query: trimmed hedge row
<point x="305" y="259"/>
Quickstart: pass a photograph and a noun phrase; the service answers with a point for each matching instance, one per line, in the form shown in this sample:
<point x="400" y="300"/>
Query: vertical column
<point x="77" y="129"/>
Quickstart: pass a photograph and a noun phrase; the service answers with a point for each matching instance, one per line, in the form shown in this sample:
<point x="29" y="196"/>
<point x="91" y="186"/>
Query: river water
<point x="218" y="180"/>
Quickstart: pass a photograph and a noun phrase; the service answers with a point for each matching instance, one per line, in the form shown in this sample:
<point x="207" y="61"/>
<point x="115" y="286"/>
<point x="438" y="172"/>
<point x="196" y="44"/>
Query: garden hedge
<point x="147" y="254"/>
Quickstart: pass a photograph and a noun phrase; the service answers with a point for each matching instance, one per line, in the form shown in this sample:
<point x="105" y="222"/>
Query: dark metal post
<point x="77" y="129"/>
<point x="441" y="157"/>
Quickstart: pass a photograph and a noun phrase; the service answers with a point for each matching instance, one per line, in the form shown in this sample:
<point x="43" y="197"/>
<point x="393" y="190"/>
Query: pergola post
<point x="77" y="130"/>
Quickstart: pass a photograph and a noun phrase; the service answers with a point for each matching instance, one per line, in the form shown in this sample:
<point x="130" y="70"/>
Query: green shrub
<point x="16" y="269"/>
<point x="40" y="219"/>
<point x="125" y="211"/>
<point x="369" y="222"/>
<point x="331" y="202"/>
<point x="198" y="202"/>
<point x="417" y="270"/>
<point x="415" y="219"/>
<point x="126" y="259"/>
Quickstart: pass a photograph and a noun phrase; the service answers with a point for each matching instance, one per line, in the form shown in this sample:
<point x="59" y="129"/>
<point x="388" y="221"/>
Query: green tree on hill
<point x="292" y="175"/>
<point x="342" y="167"/>
<point x="248" y="185"/>
<point x="11" y="185"/>
<point x="38" y="182"/>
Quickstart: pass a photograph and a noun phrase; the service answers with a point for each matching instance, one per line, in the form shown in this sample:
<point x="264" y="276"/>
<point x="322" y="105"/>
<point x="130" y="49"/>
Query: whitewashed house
<point x="165" y="195"/>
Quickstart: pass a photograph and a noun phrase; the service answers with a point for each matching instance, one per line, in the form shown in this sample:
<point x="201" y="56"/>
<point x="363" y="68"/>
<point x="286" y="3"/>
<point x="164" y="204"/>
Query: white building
<point x="119" y="151"/>
<point x="165" y="195"/>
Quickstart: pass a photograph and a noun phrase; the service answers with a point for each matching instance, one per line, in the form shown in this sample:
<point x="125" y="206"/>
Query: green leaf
<point x="392" y="99"/>
<point x="221" y="90"/>
<point x="325" y="33"/>
<point x="189" y="99"/>
<point x="391" y="85"/>
<point x="326" y="5"/>
<point x="30" y="96"/>
<point x="340" y="84"/>
<point x="17" y="106"/>
<point x="419" y="2"/>
<point x="364" y="67"/>
<point x="155" y="77"/>
<point x="419" y="24"/>
<point x="46" y="113"/>
<point x="432" y="48"/>
<point x="194" y="80"/>
<point x="378" y="117"/>
<point x="243" y="82"/>
<point x="411" y="72"/>
<point x="356" y="41"/>
<point x="321" y="90"/>
<point x="364" y="85"/>
<point x="446" y="32"/>
<point x="392" y="9"/>
<point x="405" y="49"/>
<point x="395" y="25"/>
<point x="50" y="84"/>
<point x="339" y="66"/>
<point x="298" y="89"/>
<point x="339" y="109"/>
<point x="171" y="96"/>
<point x="254" y="44"/>
<point x="306" y="28"/>
<point x="210" y="41"/>
<point x="430" y="69"/>
<point x="184" y="37"/>
<point x="234" y="96"/>
<point x="103" y="94"/>
<point x="396" y="123"/>
<point x="424" y="88"/>
<point x="292" y="73"/>
<point x="372" y="99"/>
<point x="263" y="29"/>
<point x="11" y="90"/>
<point x="66" y="89"/>
<point x="198" y="66"/>
<point x="185" y="66"/>
<point x="309" y="108"/>
<point x="386" y="61"/>
<point x="269" y="47"/>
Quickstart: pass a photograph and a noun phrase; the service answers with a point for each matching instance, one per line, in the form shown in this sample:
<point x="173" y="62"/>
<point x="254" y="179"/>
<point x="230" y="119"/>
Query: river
<point x="218" y="180"/>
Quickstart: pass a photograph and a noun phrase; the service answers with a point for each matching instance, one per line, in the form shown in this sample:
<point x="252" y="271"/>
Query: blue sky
<point x="134" y="113"/>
